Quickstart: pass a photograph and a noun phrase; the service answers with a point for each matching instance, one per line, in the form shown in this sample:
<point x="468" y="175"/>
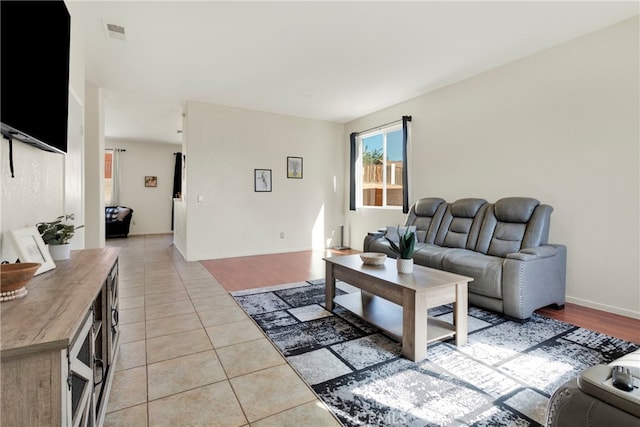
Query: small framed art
<point x="150" y="181"/>
<point x="294" y="167"/>
<point x="30" y="247"/>
<point x="262" y="179"/>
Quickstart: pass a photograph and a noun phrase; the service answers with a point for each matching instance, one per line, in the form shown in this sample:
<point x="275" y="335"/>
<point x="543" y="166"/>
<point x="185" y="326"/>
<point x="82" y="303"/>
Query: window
<point x="378" y="174"/>
<point x="381" y="159"/>
<point x="111" y="176"/>
<point x="108" y="178"/>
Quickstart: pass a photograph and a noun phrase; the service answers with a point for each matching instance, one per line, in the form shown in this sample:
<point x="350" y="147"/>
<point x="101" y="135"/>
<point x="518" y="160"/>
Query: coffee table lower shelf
<point x="388" y="316"/>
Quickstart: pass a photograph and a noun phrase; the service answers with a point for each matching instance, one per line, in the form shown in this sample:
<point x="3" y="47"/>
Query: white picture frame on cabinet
<point x="30" y="247"/>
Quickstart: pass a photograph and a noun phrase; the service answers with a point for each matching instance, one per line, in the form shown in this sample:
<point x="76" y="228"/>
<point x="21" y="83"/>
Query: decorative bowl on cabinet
<point x="14" y="277"/>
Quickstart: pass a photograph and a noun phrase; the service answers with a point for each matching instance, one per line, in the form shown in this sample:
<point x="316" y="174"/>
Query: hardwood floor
<point x="625" y="328"/>
<point x="267" y="270"/>
<point x="250" y="272"/>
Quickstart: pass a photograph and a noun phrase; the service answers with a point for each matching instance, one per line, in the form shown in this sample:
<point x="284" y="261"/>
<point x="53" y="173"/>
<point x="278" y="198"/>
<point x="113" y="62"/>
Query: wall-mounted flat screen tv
<point x="34" y="87"/>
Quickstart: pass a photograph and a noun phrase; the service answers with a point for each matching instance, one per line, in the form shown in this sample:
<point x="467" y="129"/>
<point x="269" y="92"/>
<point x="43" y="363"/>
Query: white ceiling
<point x="326" y="60"/>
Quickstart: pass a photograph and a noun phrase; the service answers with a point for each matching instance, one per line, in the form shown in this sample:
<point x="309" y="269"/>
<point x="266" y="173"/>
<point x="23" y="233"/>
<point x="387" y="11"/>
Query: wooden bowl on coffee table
<point x="373" y="258"/>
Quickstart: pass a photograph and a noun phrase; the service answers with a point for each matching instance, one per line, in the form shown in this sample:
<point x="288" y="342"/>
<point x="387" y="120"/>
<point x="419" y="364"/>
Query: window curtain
<point x="177" y="183"/>
<point x="177" y="176"/>
<point x="116" y="178"/>
<point x="114" y="200"/>
<point x="352" y="174"/>
<point x="405" y="172"/>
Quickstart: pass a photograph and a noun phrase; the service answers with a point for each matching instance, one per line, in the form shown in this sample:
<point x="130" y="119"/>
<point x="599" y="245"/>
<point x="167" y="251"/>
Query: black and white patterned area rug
<point x="503" y="376"/>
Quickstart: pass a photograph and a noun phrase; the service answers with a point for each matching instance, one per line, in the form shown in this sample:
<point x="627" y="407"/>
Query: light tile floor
<point x="190" y="356"/>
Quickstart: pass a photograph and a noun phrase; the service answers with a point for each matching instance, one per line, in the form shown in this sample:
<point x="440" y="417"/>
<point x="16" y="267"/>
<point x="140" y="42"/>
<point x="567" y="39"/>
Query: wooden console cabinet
<point x="59" y="343"/>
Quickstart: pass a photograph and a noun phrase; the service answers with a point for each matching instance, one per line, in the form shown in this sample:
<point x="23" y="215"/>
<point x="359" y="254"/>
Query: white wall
<point x="151" y="205"/>
<point x="180" y="204"/>
<point x="180" y="227"/>
<point x="74" y="169"/>
<point x="223" y="147"/>
<point x="74" y="160"/>
<point x="94" y="167"/>
<point x="561" y="126"/>
<point x="38" y="193"/>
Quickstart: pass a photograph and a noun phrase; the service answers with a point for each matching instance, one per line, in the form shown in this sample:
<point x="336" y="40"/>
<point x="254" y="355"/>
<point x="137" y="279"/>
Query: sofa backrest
<point x="461" y="224"/>
<point x="117" y="213"/>
<point x="123" y="213"/>
<point x="513" y="223"/>
<point x="426" y="215"/>
<point x="110" y="213"/>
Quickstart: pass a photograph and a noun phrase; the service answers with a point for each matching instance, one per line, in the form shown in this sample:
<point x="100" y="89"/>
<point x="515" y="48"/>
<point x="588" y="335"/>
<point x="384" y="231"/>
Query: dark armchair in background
<point x="117" y="221"/>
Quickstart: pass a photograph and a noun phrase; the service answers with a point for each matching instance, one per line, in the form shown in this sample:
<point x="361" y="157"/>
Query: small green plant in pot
<point x="57" y="235"/>
<point x="406" y="244"/>
<point x="405" y="249"/>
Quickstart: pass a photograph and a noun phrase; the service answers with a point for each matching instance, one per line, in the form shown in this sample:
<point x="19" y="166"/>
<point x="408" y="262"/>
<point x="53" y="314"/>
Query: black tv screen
<point x="34" y="87"/>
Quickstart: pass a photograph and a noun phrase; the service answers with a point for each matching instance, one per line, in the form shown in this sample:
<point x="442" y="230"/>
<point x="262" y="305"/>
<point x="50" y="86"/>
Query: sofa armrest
<point x="570" y="406"/>
<point x="631" y="361"/>
<point x="377" y="234"/>
<point x="373" y="236"/>
<point x="596" y="381"/>
<point x="534" y="282"/>
<point x="528" y="254"/>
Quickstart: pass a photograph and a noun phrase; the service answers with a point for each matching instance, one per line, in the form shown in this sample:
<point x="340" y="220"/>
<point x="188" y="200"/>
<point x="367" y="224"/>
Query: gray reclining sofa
<point x="503" y="246"/>
<point x="591" y="399"/>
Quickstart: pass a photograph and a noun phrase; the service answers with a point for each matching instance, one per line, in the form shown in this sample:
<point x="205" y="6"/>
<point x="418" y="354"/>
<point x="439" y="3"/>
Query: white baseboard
<point x="159" y="233"/>
<point x="604" y="307"/>
<point x="179" y="249"/>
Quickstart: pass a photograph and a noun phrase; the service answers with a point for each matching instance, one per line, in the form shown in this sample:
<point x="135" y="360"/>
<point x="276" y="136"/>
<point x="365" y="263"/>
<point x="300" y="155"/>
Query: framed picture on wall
<point x="294" y="167"/>
<point x="30" y="247"/>
<point x="262" y="179"/>
<point x="150" y="181"/>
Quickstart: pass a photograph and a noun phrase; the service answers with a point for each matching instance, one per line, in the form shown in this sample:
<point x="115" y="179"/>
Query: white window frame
<point x="360" y="165"/>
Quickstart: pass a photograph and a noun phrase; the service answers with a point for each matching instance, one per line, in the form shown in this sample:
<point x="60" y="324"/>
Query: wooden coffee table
<point x="398" y="303"/>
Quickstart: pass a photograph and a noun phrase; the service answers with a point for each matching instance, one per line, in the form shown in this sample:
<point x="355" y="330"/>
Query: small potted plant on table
<point x="56" y="234"/>
<point x="405" y="249"/>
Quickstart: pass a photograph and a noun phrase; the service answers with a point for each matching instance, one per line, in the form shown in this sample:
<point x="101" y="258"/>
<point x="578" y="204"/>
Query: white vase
<point x="405" y="266"/>
<point x="60" y="252"/>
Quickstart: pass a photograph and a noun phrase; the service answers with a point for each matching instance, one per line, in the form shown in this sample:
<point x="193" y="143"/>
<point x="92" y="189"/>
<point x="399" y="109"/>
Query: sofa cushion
<point x="467" y="208"/>
<point x="461" y="223"/>
<point x="512" y="215"/>
<point x="426" y="215"/>
<point x="423" y="224"/>
<point x="393" y="232"/>
<point x="511" y="224"/>
<point x="430" y="255"/>
<point x="458" y="233"/>
<point x="515" y="209"/>
<point x="507" y="239"/>
<point x="428" y="206"/>
<point x="122" y="213"/>
<point x="110" y="213"/>
<point x="486" y="271"/>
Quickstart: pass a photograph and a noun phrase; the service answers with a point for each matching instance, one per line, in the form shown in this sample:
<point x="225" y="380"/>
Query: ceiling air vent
<point x="114" y="31"/>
